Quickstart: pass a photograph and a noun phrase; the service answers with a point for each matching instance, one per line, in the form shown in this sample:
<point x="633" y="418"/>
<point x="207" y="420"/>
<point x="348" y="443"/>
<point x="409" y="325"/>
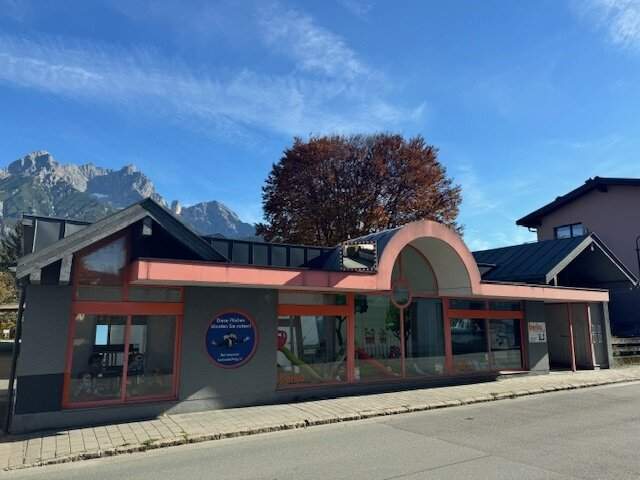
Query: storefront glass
<point x="151" y="356"/>
<point x="505" y="344"/>
<point x="469" y="344"/>
<point x="377" y="338"/>
<point x="98" y="358"/>
<point x="312" y="349"/>
<point x="98" y="366"/>
<point x="424" y="332"/>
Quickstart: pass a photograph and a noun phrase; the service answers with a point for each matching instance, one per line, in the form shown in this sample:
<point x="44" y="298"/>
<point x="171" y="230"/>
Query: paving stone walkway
<point x="50" y="447"/>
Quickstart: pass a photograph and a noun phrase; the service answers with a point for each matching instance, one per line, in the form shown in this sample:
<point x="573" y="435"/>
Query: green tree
<point x="10" y="250"/>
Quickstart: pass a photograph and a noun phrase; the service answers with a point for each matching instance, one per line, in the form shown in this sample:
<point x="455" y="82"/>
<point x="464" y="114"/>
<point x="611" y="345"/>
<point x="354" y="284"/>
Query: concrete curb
<point x="310" y="422"/>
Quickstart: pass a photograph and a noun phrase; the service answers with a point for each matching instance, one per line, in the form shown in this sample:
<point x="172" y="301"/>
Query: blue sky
<point x="525" y="100"/>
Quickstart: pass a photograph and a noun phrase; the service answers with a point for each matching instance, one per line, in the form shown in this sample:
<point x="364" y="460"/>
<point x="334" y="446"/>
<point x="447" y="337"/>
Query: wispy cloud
<point x="598" y="144"/>
<point x="621" y="19"/>
<point x="330" y="89"/>
<point x="475" y="197"/>
<point x="313" y="48"/>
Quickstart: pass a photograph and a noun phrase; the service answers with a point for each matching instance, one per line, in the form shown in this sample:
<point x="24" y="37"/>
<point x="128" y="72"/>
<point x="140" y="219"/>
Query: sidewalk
<point x="45" y="448"/>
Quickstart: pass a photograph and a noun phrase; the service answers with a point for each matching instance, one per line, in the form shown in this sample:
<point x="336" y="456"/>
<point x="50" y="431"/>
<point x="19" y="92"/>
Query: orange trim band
<point x="497" y="314"/>
<point x="128" y="308"/>
<point x="328" y="310"/>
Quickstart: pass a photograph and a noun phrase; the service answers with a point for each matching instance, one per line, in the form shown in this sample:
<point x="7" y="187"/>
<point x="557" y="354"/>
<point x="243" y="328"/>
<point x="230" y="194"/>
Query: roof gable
<point x="534" y="219"/>
<point x="112" y="224"/>
<point x="540" y="262"/>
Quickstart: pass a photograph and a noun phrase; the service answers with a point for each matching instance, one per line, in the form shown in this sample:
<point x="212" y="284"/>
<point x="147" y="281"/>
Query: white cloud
<point x="621" y="18"/>
<point x="293" y="104"/>
<point x="313" y="48"/>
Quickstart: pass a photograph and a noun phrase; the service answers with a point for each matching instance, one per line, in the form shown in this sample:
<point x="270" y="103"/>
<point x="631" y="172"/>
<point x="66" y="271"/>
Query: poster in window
<point x="231" y="339"/>
<point x="537" y="332"/>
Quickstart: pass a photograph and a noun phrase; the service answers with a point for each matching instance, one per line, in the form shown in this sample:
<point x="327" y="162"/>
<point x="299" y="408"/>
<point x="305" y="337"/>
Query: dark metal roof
<point x="538" y="262"/>
<point x="250" y="252"/>
<point x="529" y="262"/>
<point x="533" y="219"/>
<point x="89" y="234"/>
<point x="41" y="231"/>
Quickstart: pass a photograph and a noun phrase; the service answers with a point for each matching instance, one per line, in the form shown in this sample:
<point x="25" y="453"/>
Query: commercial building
<point x="136" y="315"/>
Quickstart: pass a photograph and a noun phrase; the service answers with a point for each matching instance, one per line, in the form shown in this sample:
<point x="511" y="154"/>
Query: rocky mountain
<point x="38" y="184"/>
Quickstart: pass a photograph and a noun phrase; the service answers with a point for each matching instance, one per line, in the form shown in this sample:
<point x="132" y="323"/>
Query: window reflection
<point x="469" y="344"/>
<point x="506" y="350"/>
<point x="377" y="338"/>
<point x="311" y="349"/>
<point x="105" y="265"/>
<point x="151" y="355"/>
<point x="98" y="358"/>
<point x="424" y="332"/>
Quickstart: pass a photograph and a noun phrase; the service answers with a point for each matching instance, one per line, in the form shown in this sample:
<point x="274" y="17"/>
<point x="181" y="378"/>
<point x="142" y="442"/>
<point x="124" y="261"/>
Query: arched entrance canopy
<point x="452" y="263"/>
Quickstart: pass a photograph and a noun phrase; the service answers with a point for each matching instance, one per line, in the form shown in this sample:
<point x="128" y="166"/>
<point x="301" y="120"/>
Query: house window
<point x="569" y="231"/>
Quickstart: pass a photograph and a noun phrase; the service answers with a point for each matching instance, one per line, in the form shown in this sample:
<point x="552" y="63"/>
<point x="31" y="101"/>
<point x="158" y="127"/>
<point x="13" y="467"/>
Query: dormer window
<point x="569" y="231"/>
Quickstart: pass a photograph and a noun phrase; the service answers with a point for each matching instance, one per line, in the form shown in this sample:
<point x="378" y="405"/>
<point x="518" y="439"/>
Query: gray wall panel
<point x="538" y="353"/>
<point x="45" y="329"/>
<point x="200" y="378"/>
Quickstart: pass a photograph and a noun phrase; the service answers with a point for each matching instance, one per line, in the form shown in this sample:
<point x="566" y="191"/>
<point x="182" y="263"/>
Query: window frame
<point x="448" y="314"/>
<point x="90" y="308"/>
<point x="125" y="308"/>
<point x="571" y="227"/>
<point x="347" y="311"/>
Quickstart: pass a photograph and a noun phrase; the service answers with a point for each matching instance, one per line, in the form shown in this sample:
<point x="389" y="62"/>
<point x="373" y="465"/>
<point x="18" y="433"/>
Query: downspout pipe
<point x="14" y="359"/>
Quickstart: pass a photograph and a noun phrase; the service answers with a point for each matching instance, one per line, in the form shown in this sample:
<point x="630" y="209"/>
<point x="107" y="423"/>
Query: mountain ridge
<point x="38" y="184"/>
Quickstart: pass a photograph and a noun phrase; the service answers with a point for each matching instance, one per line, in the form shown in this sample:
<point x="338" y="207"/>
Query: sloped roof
<point x="539" y="262"/>
<point x="533" y="219"/>
<point x="112" y="224"/>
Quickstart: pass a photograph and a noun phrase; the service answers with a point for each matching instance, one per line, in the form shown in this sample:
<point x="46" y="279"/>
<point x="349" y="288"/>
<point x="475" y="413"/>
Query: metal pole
<point x="572" y="346"/>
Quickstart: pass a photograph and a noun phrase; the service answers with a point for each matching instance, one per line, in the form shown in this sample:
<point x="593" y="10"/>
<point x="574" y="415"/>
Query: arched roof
<point x="453" y="264"/>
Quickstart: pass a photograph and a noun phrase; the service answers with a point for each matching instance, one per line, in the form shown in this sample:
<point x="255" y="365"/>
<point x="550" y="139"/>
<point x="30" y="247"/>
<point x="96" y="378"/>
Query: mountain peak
<point x="32" y="163"/>
<point x="129" y="169"/>
<point x="37" y="183"/>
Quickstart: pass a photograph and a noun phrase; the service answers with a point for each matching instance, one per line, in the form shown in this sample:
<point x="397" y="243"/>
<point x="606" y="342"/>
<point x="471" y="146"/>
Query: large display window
<point x="124" y="339"/>
<point x="469" y="344"/>
<point x="363" y="338"/>
<point x="116" y="358"/>
<point x="506" y="344"/>
<point x="97" y="365"/>
<point x="312" y="349"/>
<point x="425" y="339"/>
<point x="377" y="338"/>
<point x="486" y="335"/>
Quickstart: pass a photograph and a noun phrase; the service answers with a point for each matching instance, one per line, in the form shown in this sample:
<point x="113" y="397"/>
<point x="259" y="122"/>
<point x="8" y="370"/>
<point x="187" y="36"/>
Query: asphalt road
<point x="592" y="433"/>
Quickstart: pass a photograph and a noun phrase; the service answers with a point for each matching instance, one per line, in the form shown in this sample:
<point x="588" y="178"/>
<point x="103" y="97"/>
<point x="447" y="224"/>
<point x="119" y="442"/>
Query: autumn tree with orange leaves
<point x="333" y="188"/>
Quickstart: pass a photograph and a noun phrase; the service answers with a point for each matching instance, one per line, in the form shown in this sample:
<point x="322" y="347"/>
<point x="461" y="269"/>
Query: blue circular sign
<point x="231" y="339"/>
